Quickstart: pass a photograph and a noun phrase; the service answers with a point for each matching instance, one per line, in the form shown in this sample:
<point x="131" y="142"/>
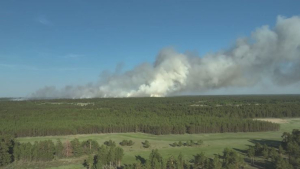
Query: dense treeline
<point x="176" y="115"/>
<point x="11" y="151"/>
<point x="229" y="160"/>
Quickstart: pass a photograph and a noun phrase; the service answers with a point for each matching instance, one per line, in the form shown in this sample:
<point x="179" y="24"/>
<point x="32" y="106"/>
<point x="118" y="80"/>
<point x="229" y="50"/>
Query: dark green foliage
<point x="201" y="161"/>
<point x="232" y="160"/>
<point x="291" y="145"/>
<point x="146" y="144"/>
<point x="179" y="144"/>
<point x="106" y="157"/>
<point x="251" y="154"/>
<point x="6" y="150"/>
<point x="39" y="151"/>
<point x="46" y="150"/>
<point x="188" y="143"/>
<point x="102" y="155"/>
<point x="171" y="115"/>
<point x="174" y="144"/>
<point x="286" y="156"/>
<point x="90" y="146"/>
<point x="258" y="149"/>
<point x="119" y="153"/>
<point x="280" y="150"/>
<point x="180" y="161"/>
<point x="110" y="143"/>
<point x="172" y="163"/>
<point x="130" y="143"/>
<point x="281" y="163"/>
<point x="89" y="163"/>
<point x="126" y="143"/>
<point x="155" y="160"/>
<point x="216" y="163"/>
<point x="76" y="147"/>
<point x="273" y="154"/>
<point x="59" y="147"/>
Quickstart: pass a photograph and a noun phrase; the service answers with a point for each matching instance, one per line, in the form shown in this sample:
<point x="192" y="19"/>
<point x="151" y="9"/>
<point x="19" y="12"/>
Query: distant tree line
<point x="171" y="115"/>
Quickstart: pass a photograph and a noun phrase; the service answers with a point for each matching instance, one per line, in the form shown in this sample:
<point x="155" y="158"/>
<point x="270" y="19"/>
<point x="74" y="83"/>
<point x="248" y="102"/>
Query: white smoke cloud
<point x="269" y="53"/>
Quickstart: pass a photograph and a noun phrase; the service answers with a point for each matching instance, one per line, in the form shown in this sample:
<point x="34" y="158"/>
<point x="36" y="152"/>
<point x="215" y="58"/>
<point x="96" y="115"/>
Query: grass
<point x="213" y="143"/>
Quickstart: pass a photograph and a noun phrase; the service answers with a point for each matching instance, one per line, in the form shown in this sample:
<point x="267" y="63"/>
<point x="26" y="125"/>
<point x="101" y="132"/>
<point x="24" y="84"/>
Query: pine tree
<point x="119" y="153"/>
<point x="16" y="151"/>
<point x="155" y="160"/>
<point x="200" y="161"/>
<point x="280" y="150"/>
<point x="251" y="154"/>
<point x="137" y="165"/>
<point x="59" y="147"/>
<point x="232" y="160"/>
<point x="89" y="162"/>
<point x="76" y="147"/>
<point x="172" y="163"/>
<point x="111" y="156"/>
<point x="180" y="161"/>
<point x="216" y="164"/>
<point x="281" y="163"/>
<point x="35" y="151"/>
<point x="102" y="155"/>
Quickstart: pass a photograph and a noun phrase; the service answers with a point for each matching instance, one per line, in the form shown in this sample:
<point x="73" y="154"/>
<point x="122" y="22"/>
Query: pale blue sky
<point x="70" y="42"/>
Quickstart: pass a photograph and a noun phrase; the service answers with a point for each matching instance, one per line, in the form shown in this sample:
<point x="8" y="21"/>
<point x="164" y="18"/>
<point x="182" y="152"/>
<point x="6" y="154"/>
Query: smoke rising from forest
<point x="268" y="53"/>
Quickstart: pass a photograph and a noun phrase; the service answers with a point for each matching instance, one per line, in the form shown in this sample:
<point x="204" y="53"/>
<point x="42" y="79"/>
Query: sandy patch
<point x="84" y="104"/>
<point x="197" y="105"/>
<point x="273" y="120"/>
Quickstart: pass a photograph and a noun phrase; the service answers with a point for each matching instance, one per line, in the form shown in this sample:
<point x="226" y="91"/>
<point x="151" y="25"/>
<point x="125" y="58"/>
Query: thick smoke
<point x="269" y="53"/>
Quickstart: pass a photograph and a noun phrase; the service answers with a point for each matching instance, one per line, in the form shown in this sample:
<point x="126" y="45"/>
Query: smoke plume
<point x="268" y="53"/>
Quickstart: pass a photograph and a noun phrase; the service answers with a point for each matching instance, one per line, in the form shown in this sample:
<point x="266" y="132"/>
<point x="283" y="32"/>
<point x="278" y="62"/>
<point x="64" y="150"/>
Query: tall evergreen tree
<point x="76" y="147"/>
<point x="251" y="154"/>
<point x="156" y="160"/>
<point x="59" y="148"/>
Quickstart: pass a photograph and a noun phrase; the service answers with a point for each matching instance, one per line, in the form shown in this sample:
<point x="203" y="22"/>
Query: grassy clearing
<point x="213" y="143"/>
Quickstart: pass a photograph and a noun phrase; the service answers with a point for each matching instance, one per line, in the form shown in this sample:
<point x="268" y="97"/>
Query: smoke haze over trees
<point x="270" y="54"/>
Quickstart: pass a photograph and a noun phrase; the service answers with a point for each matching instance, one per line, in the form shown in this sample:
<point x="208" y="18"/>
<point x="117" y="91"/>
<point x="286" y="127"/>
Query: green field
<point x="213" y="144"/>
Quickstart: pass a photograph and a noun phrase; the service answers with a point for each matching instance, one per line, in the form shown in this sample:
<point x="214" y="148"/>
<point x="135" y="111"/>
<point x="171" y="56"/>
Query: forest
<point x="159" y="116"/>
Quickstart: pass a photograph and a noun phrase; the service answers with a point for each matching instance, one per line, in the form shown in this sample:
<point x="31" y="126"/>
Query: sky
<point x="72" y="42"/>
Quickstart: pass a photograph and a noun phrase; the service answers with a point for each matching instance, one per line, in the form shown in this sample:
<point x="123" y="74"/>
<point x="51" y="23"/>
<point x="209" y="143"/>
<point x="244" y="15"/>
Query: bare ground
<point x="273" y="120"/>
